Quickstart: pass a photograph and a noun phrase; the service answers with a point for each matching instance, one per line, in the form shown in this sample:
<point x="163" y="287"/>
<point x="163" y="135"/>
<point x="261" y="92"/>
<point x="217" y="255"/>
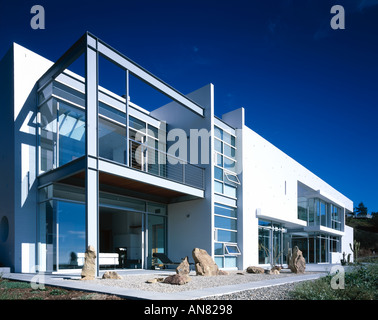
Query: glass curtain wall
<point x="136" y="225"/>
<point x="61" y="126"/>
<point x="318" y="212"/>
<point x="62" y="131"/>
<point x="316" y="248"/>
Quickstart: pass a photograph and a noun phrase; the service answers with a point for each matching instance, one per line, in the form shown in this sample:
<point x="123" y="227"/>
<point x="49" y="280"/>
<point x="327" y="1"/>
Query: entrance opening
<point x="121" y="238"/>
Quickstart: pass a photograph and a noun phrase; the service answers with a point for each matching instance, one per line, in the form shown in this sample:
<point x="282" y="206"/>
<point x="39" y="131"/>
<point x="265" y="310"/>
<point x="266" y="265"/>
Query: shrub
<point x="361" y="283"/>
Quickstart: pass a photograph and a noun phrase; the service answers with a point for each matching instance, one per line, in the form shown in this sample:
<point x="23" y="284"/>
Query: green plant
<point x="57" y="292"/>
<point x="6" y="284"/>
<point x="361" y="283"/>
<point x="355" y="249"/>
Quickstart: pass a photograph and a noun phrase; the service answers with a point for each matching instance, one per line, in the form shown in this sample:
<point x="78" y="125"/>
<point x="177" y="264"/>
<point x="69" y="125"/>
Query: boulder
<point x="253" y="269"/>
<point x="183" y="268"/>
<point x="204" y="264"/>
<point x="178" y="279"/>
<point x="297" y="262"/>
<point x="111" y="275"/>
<point x="88" y="271"/>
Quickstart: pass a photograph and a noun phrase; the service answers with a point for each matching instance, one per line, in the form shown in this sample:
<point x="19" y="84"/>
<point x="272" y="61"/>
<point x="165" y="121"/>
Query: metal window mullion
<point x="127" y="119"/>
<point x="57" y="135"/>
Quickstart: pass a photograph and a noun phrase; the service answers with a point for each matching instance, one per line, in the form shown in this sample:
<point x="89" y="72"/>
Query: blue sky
<point x="310" y="90"/>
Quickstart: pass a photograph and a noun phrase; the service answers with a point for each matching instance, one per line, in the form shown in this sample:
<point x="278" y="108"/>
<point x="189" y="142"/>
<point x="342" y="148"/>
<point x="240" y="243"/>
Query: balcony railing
<point x="162" y="164"/>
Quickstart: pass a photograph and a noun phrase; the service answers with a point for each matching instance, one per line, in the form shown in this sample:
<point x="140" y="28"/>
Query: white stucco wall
<point x="28" y="68"/>
<point x="190" y="223"/>
<point x="270" y="190"/>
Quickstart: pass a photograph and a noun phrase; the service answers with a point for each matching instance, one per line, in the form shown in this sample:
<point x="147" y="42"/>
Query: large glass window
<point x="336" y="217"/>
<point x="316" y="247"/>
<point x="112" y="134"/>
<point x="225" y="178"/>
<point x="61" y="234"/>
<point x="71" y="143"/>
<point x="323" y="213"/>
<point x="71" y="233"/>
<point x="225" y="245"/>
<point x="47" y="136"/>
<point x="318" y="212"/>
<point x="303" y="209"/>
<point x="61" y="126"/>
<point x="112" y="141"/>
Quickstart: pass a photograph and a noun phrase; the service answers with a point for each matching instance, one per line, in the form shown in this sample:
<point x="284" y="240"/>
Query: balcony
<point x="162" y="164"/>
<point x="84" y="126"/>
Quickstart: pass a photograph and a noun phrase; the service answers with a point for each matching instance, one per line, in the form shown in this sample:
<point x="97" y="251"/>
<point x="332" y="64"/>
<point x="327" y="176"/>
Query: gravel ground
<point x="280" y="292"/>
<point x="138" y="282"/>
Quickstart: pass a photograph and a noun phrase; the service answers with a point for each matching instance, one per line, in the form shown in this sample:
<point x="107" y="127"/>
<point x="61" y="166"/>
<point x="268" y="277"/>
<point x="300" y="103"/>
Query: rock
<point x="277" y="268"/>
<point x="183" y="268"/>
<point x="204" y="264"/>
<point x="297" y="262"/>
<point x="274" y="270"/>
<point x="111" y="275"/>
<point x="222" y="273"/>
<point x="88" y="271"/>
<point x="253" y="269"/>
<point x="178" y="279"/>
<point x="155" y="280"/>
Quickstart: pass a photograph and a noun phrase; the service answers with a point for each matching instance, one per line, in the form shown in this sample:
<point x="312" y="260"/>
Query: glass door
<point x="122" y="232"/>
<point x="156" y="239"/>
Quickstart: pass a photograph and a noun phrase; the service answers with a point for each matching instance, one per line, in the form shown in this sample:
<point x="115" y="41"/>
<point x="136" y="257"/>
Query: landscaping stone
<point x="111" y="275"/>
<point x="183" y="268"/>
<point x="155" y="280"/>
<point x="297" y="262"/>
<point x="204" y="264"/>
<point x="257" y="270"/>
<point x="89" y="268"/>
<point x="177" y="279"/>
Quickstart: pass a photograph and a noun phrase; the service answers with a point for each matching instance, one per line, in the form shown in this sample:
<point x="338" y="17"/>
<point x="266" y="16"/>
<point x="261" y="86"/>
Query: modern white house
<point x="87" y="161"/>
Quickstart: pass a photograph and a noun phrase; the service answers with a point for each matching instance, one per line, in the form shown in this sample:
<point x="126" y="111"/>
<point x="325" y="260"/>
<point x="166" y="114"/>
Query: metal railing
<point x="162" y="164"/>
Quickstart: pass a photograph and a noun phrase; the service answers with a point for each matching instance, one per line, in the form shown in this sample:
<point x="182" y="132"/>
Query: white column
<point x="91" y="113"/>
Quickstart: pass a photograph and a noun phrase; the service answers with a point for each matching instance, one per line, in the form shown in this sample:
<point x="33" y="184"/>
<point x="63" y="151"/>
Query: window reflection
<point x="71" y="133"/>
